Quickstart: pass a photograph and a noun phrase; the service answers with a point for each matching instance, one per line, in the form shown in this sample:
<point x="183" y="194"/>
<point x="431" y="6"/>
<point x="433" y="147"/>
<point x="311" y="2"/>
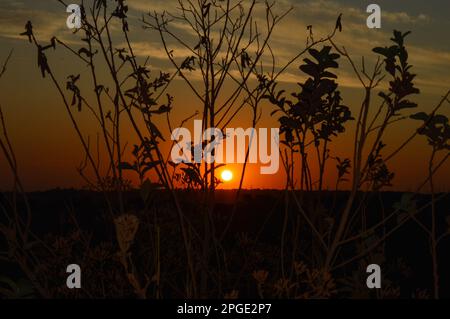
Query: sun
<point x="227" y="176"/>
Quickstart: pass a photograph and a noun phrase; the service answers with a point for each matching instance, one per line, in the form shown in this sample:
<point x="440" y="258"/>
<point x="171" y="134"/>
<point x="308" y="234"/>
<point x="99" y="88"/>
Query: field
<point x="76" y="226"/>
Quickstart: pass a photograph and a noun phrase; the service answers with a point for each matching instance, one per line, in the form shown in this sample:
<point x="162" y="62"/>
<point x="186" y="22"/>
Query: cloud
<point x="145" y="6"/>
<point x="155" y="50"/>
<point x="46" y="23"/>
<point x="288" y="39"/>
<point x="323" y="8"/>
<point x="403" y="17"/>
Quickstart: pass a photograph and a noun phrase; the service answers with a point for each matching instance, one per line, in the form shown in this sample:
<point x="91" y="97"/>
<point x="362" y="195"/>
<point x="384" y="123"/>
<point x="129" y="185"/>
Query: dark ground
<point x="259" y="217"/>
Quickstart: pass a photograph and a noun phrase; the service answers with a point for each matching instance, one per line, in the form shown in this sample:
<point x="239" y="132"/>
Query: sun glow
<point x="227" y="176"/>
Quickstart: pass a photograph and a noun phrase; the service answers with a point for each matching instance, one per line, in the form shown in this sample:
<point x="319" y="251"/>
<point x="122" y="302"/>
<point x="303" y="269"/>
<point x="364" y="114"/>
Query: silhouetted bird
<point x="28" y="31"/>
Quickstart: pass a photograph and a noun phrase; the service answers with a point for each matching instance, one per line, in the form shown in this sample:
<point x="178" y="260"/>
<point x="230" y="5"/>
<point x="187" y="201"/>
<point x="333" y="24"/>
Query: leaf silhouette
<point x="126" y="166"/>
<point x="42" y="62"/>
<point x="205" y="9"/>
<point x="245" y="59"/>
<point x="28" y="31"/>
<point x="396" y="64"/>
<point x="339" y="23"/>
<point x="188" y="64"/>
<point x="51" y="45"/>
<point x="71" y="85"/>
<point x="420" y="116"/>
<point x="85" y="52"/>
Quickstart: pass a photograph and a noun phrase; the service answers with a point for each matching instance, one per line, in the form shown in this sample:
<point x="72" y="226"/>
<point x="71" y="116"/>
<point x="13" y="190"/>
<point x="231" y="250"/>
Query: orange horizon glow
<point x="49" y="152"/>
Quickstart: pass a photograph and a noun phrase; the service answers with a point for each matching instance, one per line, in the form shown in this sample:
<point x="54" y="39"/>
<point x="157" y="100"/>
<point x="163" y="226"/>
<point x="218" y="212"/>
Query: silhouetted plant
<point x="437" y="131"/>
<point x="402" y="84"/>
<point x="132" y="97"/>
<point x="343" y="167"/>
<point x="311" y="118"/>
<point x="378" y="174"/>
<point x="316" y="110"/>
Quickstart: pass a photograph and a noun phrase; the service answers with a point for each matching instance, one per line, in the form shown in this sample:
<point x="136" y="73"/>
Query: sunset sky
<point x="49" y="152"/>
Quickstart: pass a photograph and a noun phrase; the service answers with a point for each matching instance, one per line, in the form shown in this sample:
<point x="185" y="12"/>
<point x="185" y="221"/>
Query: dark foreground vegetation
<point x="260" y="259"/>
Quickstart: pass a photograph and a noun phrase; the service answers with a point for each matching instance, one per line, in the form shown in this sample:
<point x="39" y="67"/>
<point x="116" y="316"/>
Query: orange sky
<point x="48" y="150"/>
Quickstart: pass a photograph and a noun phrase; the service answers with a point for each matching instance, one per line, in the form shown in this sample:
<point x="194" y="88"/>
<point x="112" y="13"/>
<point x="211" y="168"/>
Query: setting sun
<point x="227" y="176"/>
